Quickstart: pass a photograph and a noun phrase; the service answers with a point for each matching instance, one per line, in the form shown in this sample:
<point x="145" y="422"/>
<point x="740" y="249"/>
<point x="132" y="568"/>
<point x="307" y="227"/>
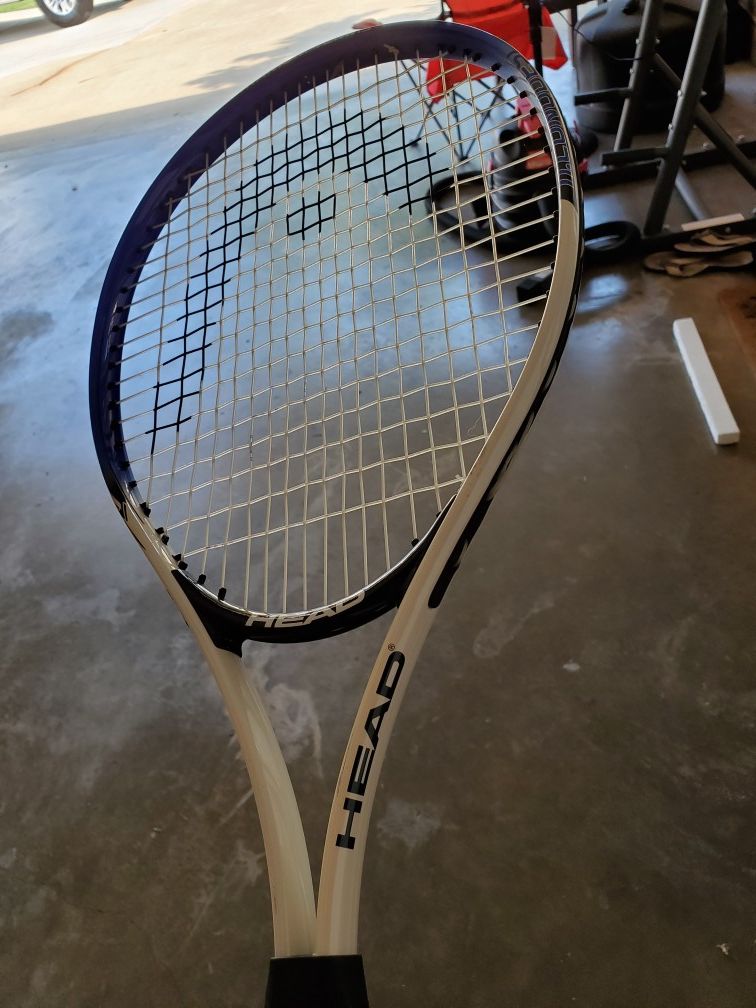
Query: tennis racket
<point x="306" y="384"/>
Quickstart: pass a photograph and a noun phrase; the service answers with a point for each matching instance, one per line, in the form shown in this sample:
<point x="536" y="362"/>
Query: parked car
<point x="62" y="12"/>
<point x="66" y="12"/>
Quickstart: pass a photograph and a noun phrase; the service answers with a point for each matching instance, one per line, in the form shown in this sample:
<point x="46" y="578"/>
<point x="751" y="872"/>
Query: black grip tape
<point x="328" y="981"/>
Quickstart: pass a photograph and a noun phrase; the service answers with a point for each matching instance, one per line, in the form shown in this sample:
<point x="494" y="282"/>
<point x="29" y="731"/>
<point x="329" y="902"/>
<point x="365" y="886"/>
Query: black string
<point x="357" y="142"/>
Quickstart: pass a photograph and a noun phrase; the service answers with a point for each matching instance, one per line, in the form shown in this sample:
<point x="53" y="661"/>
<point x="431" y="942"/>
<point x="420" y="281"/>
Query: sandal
<point x="658" y="261"/>
<point x="692" y="267"/>
<point x="710" y="241"/>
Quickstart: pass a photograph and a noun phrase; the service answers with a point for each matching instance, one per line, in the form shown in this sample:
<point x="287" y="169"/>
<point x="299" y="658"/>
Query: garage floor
<point x="566" y="815"/>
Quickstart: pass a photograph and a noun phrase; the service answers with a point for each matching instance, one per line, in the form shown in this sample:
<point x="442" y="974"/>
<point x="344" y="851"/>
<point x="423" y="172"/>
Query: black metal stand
<point x="670" y="158"/>
<point x="536" y="41"/>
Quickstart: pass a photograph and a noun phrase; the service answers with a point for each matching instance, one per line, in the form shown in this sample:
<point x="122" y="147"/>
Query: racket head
<point x="166" y="354"/>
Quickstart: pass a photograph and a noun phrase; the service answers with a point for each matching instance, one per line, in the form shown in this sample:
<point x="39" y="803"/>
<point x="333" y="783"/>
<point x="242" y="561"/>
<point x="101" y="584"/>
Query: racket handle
<point x="335" y="981"/>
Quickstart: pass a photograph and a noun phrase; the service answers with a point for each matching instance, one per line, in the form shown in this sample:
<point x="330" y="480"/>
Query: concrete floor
<point x="566" y="815"/>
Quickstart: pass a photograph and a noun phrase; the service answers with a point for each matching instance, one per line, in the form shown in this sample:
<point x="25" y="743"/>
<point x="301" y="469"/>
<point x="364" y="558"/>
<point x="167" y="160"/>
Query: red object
<point x="529" y="124"/>
<point x="507" y="20"/>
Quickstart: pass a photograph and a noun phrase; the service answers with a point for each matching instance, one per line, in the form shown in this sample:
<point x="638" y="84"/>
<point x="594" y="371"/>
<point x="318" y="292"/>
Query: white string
<point x="354" y="359"/>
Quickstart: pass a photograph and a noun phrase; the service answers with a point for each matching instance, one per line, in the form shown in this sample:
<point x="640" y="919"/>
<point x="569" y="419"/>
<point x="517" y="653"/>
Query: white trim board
<point x="718" y="415"/>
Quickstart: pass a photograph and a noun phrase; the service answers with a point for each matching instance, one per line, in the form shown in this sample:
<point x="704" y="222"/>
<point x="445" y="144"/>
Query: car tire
<point x="66" y="12"/>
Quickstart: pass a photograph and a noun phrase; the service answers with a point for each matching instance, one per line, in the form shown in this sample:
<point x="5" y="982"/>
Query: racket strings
<point x="313" y="359"/>
<point x="159" y="263"/>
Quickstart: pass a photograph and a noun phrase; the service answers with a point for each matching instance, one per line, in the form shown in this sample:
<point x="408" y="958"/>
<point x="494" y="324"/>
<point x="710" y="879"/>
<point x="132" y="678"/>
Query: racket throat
<point x="327" y="981"/>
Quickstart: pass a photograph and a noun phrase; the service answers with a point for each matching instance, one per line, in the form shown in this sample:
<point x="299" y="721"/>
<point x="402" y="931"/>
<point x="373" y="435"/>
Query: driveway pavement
<point x="29" y="40"/>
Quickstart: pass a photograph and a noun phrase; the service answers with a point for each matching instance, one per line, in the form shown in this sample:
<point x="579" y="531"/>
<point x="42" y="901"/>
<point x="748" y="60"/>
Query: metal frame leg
<point x="536" y="41"/>
<point x="648" y="40"/>
<point x="711" y="129"/>
<point x="461" y="154"/>
<point x="707" y="27"/>
<point x="496" y="98"/>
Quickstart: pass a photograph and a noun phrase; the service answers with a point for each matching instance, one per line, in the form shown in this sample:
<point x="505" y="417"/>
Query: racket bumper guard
<point x="326" y="981"/>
